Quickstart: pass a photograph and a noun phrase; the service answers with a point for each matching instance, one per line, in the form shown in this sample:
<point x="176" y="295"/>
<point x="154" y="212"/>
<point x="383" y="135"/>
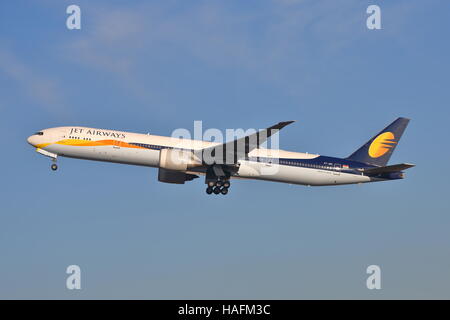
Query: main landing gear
<point x="217" y="179"/>
<point x="218" y="186"/>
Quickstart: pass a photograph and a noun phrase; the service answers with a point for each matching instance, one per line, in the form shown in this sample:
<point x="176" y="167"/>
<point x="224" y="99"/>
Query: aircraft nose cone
<point x="31" y="141"/>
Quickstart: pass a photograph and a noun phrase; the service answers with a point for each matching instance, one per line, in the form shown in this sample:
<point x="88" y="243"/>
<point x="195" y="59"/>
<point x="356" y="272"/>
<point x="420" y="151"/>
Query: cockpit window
<point x="40" y="133"/>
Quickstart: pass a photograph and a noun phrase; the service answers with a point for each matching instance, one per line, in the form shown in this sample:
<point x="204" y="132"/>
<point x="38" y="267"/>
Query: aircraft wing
<point x="231" y="152"/>
<point x="389" y="169"/>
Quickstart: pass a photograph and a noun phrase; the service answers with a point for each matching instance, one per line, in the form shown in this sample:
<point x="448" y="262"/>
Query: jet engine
<point x="178" y="160"/>
<point x="246" y="170"/>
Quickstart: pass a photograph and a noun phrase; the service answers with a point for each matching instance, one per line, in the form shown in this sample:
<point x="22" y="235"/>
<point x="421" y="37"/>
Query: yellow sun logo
<point x="382" y="144"/>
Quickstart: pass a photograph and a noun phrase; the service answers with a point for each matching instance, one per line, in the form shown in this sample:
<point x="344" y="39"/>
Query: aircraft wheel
<point x="211" y="184"/>
<point x="216" y="190"/>
<point x="209" y="190"/>
<point x="54" y="167"/>
<point x="219" y="183"/>
<point x="224" y="191"/>
<point x="226" y="184"/>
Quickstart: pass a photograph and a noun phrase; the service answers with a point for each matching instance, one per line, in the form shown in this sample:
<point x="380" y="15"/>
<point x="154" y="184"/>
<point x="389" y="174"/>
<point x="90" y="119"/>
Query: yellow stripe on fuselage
<point x="84" y="143"/>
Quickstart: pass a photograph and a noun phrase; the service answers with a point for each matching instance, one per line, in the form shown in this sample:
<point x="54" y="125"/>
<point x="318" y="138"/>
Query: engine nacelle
<point x="177" y="159"/>
<point x="246" y="170"/>
<point x="177" y="177"/>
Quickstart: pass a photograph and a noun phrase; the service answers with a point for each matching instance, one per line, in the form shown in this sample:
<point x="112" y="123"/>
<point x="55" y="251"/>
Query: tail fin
<point x="379" y="149"/>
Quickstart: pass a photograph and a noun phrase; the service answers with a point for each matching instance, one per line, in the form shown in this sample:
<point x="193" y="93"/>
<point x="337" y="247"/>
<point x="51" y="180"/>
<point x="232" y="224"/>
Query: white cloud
<point x="276" y="42"/>
<point x="43" y="90"/>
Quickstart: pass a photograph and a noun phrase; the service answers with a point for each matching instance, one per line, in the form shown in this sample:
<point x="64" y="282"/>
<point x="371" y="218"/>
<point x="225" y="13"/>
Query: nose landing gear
<point x="54" y="166"/>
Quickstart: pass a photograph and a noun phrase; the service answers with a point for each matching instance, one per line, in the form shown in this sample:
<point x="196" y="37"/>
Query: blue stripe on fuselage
<point x="320" y="162"/>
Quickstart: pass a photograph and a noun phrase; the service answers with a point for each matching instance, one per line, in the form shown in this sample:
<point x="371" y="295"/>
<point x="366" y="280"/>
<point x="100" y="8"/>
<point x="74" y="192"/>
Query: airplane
<point x="182" y="160"/>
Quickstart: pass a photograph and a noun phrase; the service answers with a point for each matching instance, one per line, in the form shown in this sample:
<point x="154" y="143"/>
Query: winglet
<point x="281" y="125"/>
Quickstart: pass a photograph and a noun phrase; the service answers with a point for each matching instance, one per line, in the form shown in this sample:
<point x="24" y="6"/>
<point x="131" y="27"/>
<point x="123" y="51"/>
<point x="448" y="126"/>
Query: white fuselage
<point x="144" y="150"/>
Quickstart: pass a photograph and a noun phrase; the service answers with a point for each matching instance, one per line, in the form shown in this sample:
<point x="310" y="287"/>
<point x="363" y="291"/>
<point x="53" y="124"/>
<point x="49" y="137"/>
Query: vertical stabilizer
<point x="379" y="149"/>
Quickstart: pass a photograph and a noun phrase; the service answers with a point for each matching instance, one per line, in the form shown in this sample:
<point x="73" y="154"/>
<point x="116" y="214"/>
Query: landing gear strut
<point x="54" y="166"/>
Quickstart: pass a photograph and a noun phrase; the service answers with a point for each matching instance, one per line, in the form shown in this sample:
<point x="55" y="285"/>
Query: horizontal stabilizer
<point x="389" y="169"/>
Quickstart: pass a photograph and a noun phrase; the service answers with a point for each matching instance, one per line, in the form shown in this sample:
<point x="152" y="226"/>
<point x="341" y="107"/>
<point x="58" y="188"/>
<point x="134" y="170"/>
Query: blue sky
<point x="156" y="66"/>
